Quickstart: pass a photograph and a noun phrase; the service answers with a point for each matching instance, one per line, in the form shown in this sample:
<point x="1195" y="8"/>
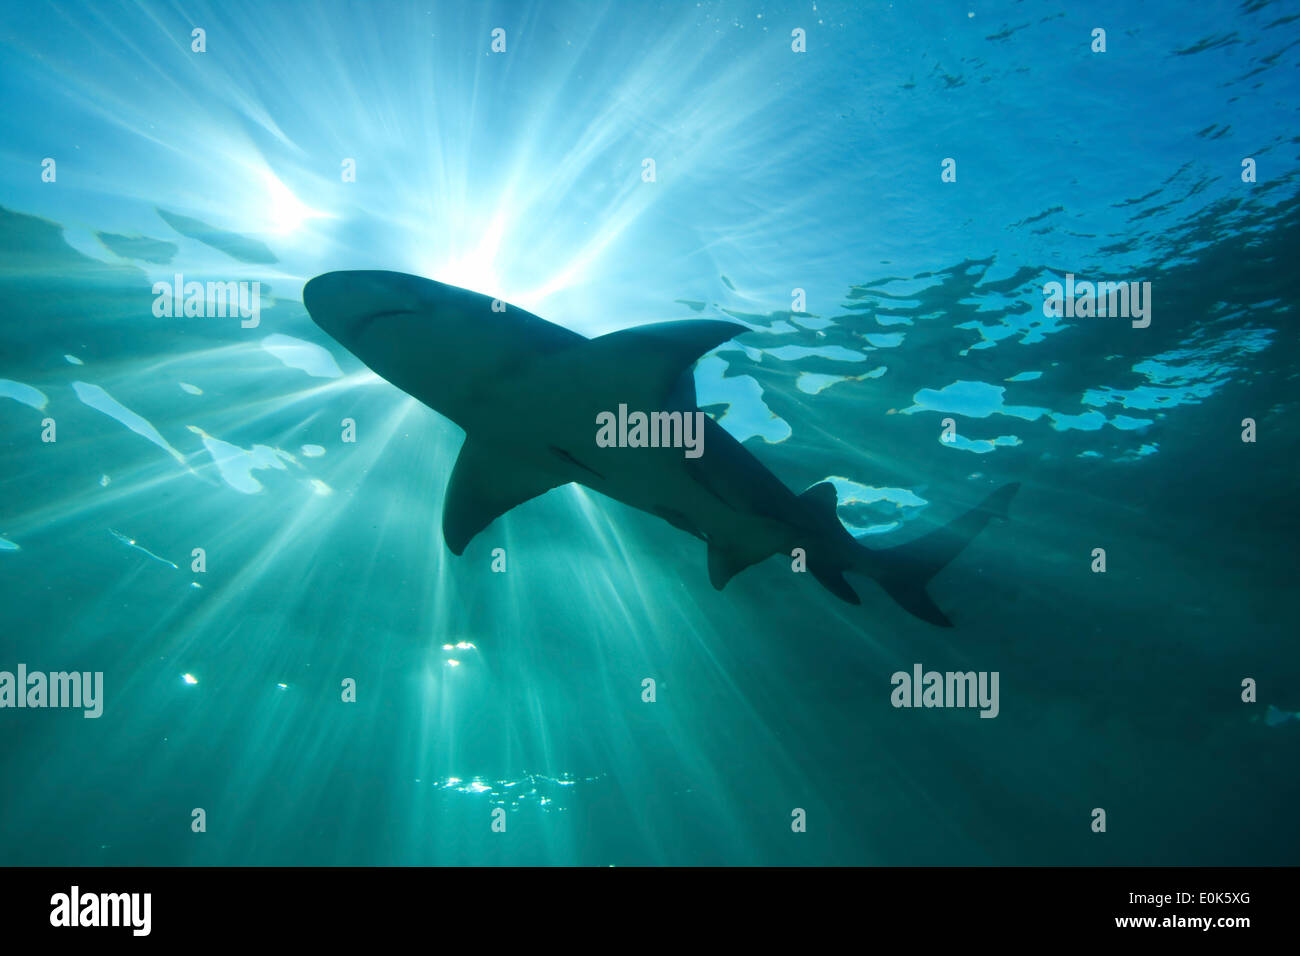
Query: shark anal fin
<point x="910" y="593"/>
<point x="832" y="579"/>
<point x="485" y="485"/>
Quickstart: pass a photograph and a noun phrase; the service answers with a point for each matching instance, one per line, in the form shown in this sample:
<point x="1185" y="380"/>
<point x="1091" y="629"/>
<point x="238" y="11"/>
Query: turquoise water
<point x="522" y="174"/>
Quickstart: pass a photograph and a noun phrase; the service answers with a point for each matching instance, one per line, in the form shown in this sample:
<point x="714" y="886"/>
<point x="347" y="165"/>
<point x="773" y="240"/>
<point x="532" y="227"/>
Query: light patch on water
<point x="7" y="545"/>
<point x="1184" y="376"/>
<point x="1024" y="377"/>
<point x="981" y="446"/>
<point x="1145" y="398"/>
<point x="884" y="340"/>
<point x="746" y="416"/>
<point x="1087" y="422"/>
<point x="1143" y="451"/>
<point x="189" y="679"/>
<point x="192" y="389"/>
<point x="1032" y="326"/>
<point x="73" y="360"/>
<point x="300" y="354"/>
<point x="101" y="401"/>
<point x="237" y="465"/>
<point x="319" y="487"/>
<point x="104" y="481"/>
<point x="896" y="505"/>
<point x="972" y="399"/>
<point x="22" y="393"/>
<point x="812" y="322"/>
<point x="1127" y="424"/>
<point x="312" y="451"/>
<point x="812" y="383"/>
<point x="902" y="290"/>
<point x="851" y="492"/>
<point x="836" y="353"/>
<point x="1089" y="454"/>
<point x="753" y="354"/>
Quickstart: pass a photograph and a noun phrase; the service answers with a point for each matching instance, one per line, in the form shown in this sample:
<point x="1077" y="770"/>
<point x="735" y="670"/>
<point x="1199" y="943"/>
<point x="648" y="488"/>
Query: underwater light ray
<point x="79" y="511"/>
<point x="536" y="186"/>
<point x="309" y="521"/>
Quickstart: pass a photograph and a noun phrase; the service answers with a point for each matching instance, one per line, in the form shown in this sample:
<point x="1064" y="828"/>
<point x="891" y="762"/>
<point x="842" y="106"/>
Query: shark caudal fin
<point x="904" y="571"/>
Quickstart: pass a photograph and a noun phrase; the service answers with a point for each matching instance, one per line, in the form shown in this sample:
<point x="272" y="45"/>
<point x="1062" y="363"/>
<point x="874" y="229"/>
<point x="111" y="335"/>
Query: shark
<point x="530" y="396"/>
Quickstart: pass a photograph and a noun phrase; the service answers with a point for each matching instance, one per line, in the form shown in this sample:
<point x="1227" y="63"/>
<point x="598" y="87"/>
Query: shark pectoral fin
<point x="653" y="357"/>
<point x="485" y="485"/>
<point x="725" y="565"/>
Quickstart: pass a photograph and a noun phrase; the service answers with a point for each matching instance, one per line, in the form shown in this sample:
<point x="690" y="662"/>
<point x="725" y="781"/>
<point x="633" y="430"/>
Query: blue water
<point x="523" y="174"/>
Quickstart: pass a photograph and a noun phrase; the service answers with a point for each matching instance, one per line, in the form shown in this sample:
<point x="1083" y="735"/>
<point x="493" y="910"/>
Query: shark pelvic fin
<point x="482" y="488"/>
<point x="725" y="565"/>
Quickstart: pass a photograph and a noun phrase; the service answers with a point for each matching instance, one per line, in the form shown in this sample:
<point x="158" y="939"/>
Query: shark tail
<point x="904" y="571"/>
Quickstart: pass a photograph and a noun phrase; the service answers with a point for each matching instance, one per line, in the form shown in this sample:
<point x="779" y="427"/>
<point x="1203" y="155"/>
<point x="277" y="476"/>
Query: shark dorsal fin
<point x="654" y="356"/>
<point x="485" y="485"/>
<point x="824" y="503"/>
<point x="824" y="498"/>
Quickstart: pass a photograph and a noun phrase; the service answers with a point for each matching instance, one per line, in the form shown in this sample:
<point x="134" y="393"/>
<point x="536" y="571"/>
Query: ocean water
<point x="180" y="510"/>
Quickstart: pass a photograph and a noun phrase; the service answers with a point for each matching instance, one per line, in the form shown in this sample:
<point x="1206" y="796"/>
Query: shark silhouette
<point x="528" y="394"/>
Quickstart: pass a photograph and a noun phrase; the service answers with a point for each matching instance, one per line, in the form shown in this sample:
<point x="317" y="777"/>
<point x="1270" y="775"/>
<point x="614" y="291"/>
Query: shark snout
<point x="347" y="304"/>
